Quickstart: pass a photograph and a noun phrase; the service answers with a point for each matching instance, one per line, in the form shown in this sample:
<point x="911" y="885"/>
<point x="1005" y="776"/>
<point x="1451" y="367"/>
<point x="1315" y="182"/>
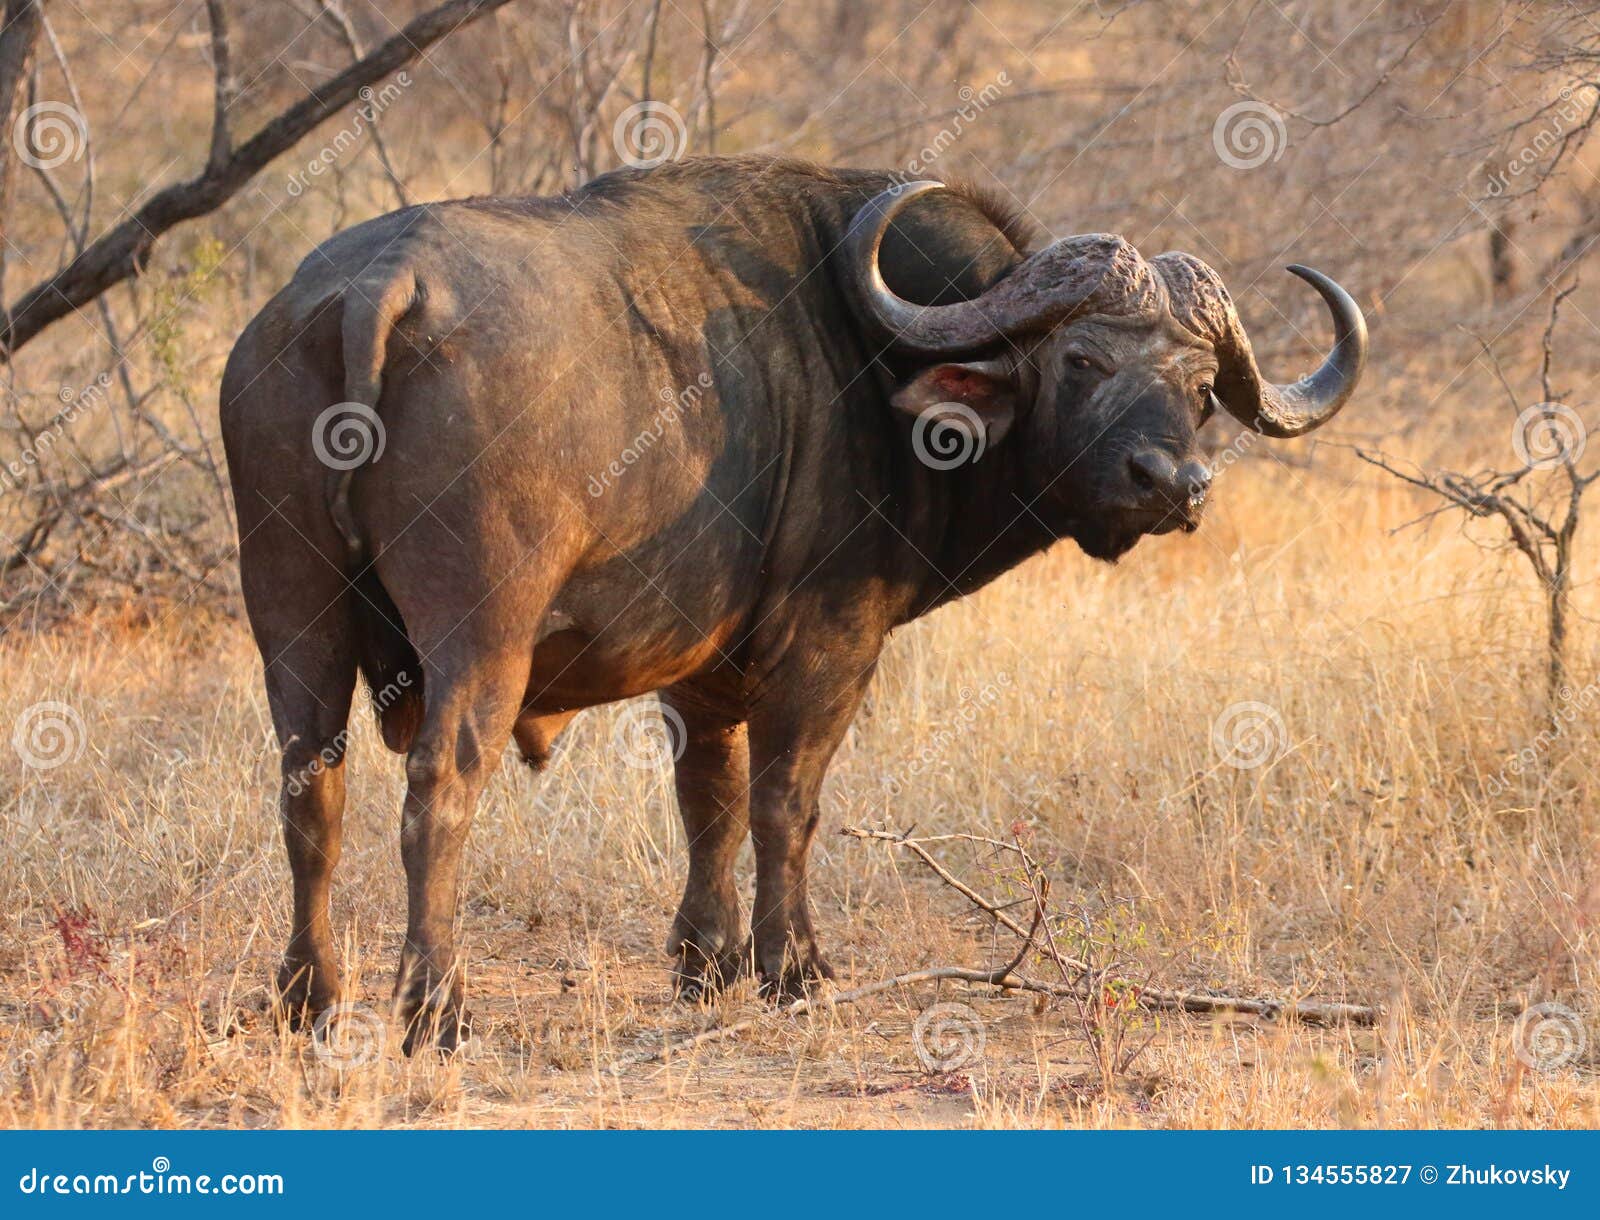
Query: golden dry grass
<point x="1367" y="859"/>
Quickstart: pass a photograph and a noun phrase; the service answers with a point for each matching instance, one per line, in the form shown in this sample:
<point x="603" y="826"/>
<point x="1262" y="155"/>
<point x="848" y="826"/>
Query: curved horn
<point x="1087" y="273"/>
<point x="1283" y="411"/>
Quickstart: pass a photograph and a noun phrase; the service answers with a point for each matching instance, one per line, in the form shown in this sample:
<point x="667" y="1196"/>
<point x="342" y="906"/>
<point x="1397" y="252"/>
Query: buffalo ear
<point x="978" y="398"/>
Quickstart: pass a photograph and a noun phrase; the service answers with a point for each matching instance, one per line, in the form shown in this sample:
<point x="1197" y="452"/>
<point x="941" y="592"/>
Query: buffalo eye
<point x="1082" y="363"/>
<point x="1205" y="389"/>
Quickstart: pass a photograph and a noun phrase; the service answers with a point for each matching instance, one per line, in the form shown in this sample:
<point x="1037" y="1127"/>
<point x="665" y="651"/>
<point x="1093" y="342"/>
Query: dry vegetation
<point x="1387" y="849"/>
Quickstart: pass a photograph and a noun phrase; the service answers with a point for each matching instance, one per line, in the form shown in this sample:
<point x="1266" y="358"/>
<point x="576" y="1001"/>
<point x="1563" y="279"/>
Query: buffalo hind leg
<point x="708" y="942"/>
<point x="792" y="740"/>
<point x="309" y="687"/>
<point x="472" y="703"/>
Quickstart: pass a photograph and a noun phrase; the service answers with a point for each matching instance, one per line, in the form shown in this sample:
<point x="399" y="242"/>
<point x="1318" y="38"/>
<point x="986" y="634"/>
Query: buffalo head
<point x="1102" y="366"/>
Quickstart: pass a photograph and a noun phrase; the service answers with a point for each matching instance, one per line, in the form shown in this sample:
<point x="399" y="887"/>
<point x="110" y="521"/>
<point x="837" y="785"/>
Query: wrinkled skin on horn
<point x="1101" y="274"/>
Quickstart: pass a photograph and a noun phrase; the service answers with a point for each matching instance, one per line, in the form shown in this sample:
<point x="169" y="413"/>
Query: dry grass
<point x="1367" y="860"/>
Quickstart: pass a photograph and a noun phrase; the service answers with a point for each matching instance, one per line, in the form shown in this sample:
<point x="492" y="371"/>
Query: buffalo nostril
<point x="1196" y="480"/>
<point x="1153" y="473"/>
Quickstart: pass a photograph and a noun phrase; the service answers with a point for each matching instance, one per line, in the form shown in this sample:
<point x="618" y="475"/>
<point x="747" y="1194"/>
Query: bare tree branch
<point x="18" y="37"/>
<point x="122" y="252"/>
<point x="224" y="90"/>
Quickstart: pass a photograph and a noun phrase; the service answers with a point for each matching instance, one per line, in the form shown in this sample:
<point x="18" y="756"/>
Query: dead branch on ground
<point x="1081" y="980"/>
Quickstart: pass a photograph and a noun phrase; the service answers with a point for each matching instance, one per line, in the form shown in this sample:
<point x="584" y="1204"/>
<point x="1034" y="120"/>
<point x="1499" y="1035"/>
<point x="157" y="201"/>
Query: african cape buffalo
<point x="711" y="430"/>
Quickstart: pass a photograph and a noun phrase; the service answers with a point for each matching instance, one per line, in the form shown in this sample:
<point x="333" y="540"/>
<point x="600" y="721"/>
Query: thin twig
<point x="1317" y="1012"/>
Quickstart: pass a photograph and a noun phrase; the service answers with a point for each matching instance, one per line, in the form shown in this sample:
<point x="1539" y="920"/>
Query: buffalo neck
<point x="971" y="525"/>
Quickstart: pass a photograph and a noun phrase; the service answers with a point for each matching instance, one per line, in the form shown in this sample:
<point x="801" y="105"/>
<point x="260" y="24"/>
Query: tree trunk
<point x="1558" y="606"/>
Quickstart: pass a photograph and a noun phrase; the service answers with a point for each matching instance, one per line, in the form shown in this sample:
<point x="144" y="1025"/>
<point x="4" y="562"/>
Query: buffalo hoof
<point x="795" y="980"/>
<point x="432" y="1013"/>
<point x="444" y="1028"/>
<point x="698" y="977"/>
<point x="301" y="995"/>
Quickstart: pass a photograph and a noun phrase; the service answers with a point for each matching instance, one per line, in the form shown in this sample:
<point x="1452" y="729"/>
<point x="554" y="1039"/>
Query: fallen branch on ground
<point x="1314" y="1012"/>
<point x="1006" y="978"/>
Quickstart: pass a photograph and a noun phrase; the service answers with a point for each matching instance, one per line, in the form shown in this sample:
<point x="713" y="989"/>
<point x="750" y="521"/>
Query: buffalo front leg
<point x="790" y="748"/>
<point x="708" y="943"/>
